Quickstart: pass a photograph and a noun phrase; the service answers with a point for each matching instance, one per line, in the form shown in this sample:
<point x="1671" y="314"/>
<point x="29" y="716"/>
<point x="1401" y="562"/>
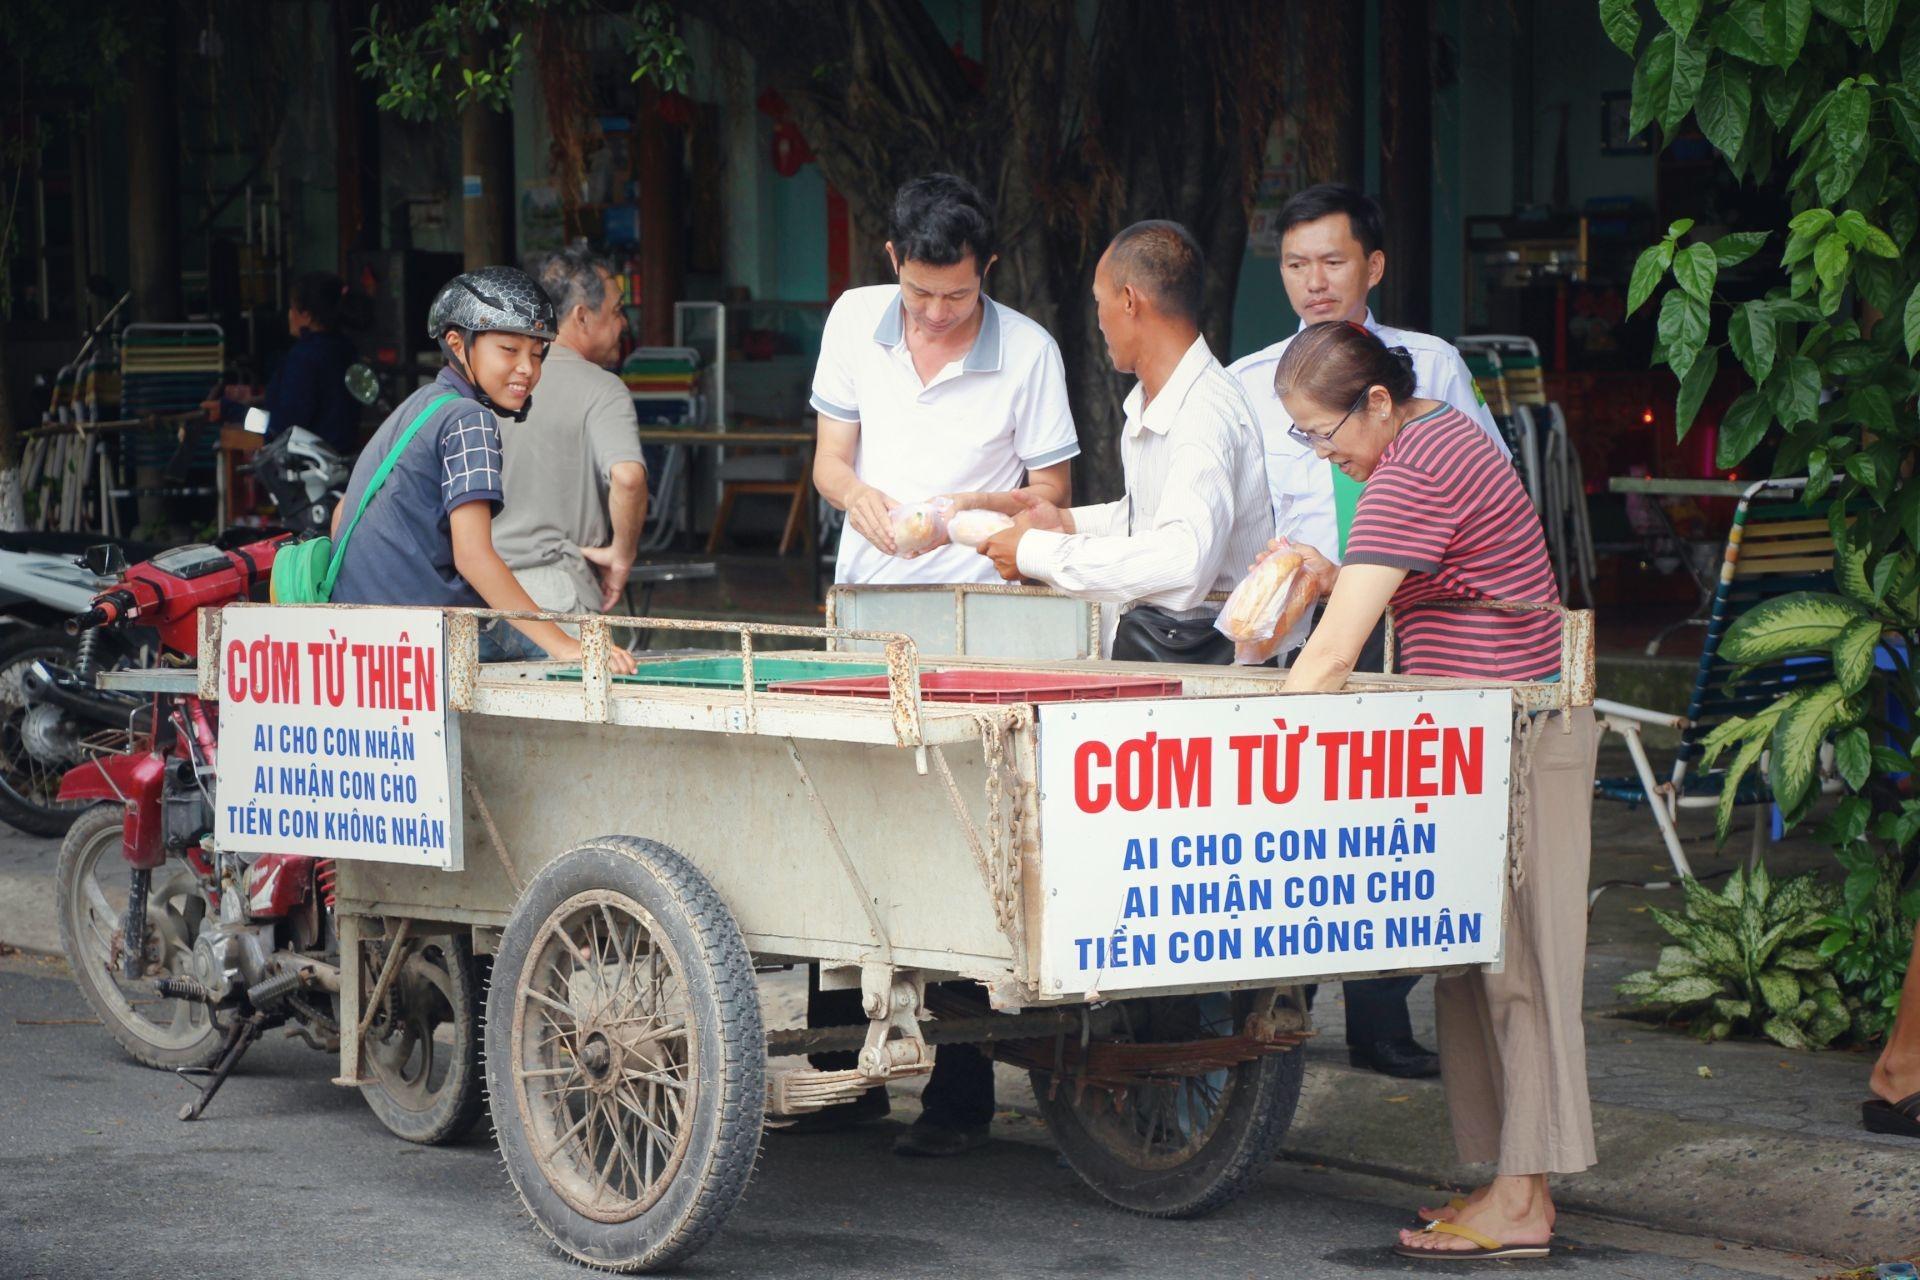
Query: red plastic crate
<point x="994" y="686"/>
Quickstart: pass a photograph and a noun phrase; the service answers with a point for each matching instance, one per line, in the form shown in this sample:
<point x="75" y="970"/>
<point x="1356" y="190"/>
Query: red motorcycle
<point x="189" y="954"/>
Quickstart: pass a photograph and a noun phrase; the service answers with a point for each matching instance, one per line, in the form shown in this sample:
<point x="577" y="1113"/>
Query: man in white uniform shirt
<point x="1195" y="513"/>
<point x="1330" y="259"/>
<point x="925" y="389"/>
<point x="929" y="388"/>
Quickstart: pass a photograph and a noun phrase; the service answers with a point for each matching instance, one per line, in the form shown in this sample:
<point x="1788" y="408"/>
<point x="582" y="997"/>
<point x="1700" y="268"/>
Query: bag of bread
<point x="918" y="527"/>
<point x="1267" y="604"/>
<point x="974" y="526"/>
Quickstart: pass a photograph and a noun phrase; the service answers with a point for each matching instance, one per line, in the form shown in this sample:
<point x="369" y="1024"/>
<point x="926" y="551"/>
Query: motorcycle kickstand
<point x="240" y="1037"/>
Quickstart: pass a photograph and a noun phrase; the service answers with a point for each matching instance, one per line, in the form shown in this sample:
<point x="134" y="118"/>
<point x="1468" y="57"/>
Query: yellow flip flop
<point x="1486" y="1247"/>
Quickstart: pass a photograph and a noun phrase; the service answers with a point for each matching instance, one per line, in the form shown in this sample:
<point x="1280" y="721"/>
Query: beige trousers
<point x="1513" y="1055"/>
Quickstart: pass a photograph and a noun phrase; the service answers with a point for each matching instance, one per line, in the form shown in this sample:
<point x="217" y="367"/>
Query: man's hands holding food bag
<point x="1279" y="589"/>
<point x="1002" y="546"/>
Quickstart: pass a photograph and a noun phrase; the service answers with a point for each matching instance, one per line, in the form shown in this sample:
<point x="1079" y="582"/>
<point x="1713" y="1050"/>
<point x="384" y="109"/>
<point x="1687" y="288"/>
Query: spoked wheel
<point x="423" y="1045"/>
<point x="39" y="744"/>
<point x="625" y="1055"/>
<point x="90" y="895"/>
<point x="1171" y="1144"/>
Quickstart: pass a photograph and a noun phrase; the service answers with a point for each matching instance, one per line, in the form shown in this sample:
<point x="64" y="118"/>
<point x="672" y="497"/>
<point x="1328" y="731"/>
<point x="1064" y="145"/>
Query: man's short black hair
<point x="1322" y="201"/>
<point x="940" y="219"/>
<point x="1163" y="261"/>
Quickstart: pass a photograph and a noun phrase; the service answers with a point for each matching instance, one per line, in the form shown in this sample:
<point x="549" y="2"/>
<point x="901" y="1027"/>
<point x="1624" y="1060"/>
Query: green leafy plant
<point x="1819" y="99"/>
<point x="1870" y="931"/>
<point x="1747" y="960"/>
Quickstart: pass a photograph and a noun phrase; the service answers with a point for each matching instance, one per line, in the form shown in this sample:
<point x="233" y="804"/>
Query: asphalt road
<point x="289" y="1177"/>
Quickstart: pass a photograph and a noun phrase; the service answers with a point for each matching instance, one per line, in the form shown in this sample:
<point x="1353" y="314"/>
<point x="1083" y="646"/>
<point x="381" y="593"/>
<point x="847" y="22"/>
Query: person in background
<point x="1895" y="1106"/>
<point x="309" y="388"/>
<point x="929" y="388"/>
<point x="1331" y="257"/>
<point x="1442" y="524"/>
<point x="575" y="485"/>
<point x="426" y="537"/>
<point x="1195" y="509"/>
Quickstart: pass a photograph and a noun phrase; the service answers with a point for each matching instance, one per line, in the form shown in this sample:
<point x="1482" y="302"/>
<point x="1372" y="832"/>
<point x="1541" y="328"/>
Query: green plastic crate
<point x="725" y="673"/>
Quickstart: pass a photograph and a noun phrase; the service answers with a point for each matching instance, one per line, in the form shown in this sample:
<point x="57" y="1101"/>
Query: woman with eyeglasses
<point x="1444" y="524"/>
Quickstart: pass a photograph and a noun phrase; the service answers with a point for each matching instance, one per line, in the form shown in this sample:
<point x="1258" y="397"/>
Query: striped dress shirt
<point x="1196" y="510"/>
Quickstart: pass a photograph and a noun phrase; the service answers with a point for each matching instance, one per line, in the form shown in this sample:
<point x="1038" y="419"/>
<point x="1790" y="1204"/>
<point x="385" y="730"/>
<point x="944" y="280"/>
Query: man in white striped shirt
<point x="1196" y="511"/>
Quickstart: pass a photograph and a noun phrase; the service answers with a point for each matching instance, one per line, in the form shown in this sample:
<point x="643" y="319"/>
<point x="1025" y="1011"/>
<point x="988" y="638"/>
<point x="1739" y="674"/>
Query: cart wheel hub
<point x="596" y="1056"/>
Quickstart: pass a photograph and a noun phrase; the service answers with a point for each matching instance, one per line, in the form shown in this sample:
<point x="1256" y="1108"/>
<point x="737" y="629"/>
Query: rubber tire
<point x="85" y="829"/>
<point x="15" y="810"/>
<point x="1258" y="1115"/>
<point x="732" y="1046"/>
<point x="462" y="1098"/>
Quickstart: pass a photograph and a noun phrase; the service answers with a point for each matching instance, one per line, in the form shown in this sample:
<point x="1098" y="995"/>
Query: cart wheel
<point x="1177" y="1146"/>
<point x="625" y="1055"/>
<point x="423" y="1046"/>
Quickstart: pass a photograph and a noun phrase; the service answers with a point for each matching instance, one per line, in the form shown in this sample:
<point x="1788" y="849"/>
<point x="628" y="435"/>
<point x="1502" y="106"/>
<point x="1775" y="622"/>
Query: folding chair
<point x="1773" y="548"/>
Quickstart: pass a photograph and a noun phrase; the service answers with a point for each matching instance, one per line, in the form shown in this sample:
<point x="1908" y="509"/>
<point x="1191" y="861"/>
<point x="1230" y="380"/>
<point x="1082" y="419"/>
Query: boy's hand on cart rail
<point x="867" y="509"/>
<point x="1317" y="566"/>
<point x="619" y="661"/>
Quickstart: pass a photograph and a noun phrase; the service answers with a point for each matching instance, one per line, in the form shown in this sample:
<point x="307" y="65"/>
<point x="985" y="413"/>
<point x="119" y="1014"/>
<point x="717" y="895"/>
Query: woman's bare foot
<point x="1450" y="1212"/>
<point x="1896" y="1076"/>
<point x="1513" y="1209"/>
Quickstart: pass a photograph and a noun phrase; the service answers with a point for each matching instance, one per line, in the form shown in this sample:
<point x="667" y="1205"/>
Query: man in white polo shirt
<point x="926" y="389"/>
<point x="929" y="388"/>
<point x="1330" y="259"/>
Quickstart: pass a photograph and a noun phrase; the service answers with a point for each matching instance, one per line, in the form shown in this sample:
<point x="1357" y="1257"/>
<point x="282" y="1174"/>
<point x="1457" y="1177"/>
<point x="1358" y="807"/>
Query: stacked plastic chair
<point x="1512" y="378"/>
<point x="665" y="385"/>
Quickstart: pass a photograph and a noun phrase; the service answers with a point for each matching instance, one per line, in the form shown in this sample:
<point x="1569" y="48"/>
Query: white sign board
<point x="1195" y="842"/>
<point x="334" y="735"/>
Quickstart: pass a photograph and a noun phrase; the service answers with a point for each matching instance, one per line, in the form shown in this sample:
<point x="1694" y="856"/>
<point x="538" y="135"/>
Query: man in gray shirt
<point x="575" y="484"/>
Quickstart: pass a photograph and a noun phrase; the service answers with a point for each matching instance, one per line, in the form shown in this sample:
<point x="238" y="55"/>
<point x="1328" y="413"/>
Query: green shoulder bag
<point x="304" y="572"/>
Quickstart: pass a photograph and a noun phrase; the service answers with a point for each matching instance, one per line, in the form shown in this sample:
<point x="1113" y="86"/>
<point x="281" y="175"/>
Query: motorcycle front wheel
<point x="90" y="895"/>
<point x="423" y="1046"/>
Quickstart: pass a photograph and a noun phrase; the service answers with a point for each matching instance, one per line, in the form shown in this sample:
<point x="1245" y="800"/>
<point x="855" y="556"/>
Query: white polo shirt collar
<point x="982" y="357"/>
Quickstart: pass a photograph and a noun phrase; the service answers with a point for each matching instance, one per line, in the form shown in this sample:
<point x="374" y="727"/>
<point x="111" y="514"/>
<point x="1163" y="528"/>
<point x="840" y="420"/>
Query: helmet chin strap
<point x="480" y="392"/>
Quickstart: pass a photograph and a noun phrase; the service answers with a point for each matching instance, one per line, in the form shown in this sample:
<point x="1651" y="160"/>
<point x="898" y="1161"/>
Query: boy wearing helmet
<point x="426" y="538"/>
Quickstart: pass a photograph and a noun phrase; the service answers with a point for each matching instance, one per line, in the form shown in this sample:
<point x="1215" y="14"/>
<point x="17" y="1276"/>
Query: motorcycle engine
<point x="227" y="957"/>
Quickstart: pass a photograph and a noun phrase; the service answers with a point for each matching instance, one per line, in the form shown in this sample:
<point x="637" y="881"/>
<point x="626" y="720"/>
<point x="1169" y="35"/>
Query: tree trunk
<point x="486" y="162"/>
<point x="153" y="165"/>
<point x="1086" y="122"/>
<point x="1406" y="160"/>
<point x="660" y="239"/>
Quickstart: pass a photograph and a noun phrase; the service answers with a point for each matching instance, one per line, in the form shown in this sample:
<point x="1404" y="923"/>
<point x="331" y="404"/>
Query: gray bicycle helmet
<point x="492" y="300"/>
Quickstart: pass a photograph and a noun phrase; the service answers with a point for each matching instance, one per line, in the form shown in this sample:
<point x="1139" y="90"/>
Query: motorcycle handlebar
<point x="105" y="611"/>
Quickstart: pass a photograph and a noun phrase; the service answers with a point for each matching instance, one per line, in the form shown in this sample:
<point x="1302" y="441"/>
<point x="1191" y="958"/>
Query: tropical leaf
<point x="1733" y="249"/>
<point x="1780" y="988"/>
<point x="1680" y="14"/>
<point x="1797" y="738"/>
<point x="1648" y="270"/>
<point x="1678" y="962"/>
<point x="1801" y="959"/>
<point x="1733" y="1010"/>
<point x="1796" y="623"/>
<point x="1751" y="333"/>
<point x="1741" y="426"/>
<point x="1704" y="904"/>
<point x="1694" y="387"/>
<point x="1785" y="1034"/>
<point x="1683" y="991"/>
<point x="1853" y="654"/>
<point x="1621" y="22"/>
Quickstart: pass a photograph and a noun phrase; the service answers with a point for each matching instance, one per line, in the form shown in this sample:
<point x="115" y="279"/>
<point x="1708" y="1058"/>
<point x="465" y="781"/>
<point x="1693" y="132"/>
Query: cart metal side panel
<point x="739" y="807"/>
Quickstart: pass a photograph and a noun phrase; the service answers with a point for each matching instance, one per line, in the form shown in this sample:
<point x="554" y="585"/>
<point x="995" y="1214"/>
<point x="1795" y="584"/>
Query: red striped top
<point x="1443" y="504"/>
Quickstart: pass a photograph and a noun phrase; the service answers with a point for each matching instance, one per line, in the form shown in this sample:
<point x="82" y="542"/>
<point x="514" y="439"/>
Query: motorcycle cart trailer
<point x="1116" y="876"/>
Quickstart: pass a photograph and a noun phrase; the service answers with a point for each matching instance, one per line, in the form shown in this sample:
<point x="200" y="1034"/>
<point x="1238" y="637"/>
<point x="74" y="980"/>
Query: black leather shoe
<point x="1405" y="1058"/>
<point x="938" y="1140"/>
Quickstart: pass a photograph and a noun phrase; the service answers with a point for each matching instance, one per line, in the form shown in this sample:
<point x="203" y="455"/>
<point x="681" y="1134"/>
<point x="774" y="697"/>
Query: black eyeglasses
<point x="1315" y="440"/>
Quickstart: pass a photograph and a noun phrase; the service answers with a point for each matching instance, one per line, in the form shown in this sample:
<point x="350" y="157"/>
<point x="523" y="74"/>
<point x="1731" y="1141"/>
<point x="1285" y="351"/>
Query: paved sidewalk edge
<point x="1748" y="1185"/>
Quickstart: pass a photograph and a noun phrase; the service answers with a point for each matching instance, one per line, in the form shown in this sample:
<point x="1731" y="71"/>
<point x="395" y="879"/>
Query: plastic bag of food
<point x="918" y="527"/>
<point x="1268" y="603"/>
<point x="974" y="526"/>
